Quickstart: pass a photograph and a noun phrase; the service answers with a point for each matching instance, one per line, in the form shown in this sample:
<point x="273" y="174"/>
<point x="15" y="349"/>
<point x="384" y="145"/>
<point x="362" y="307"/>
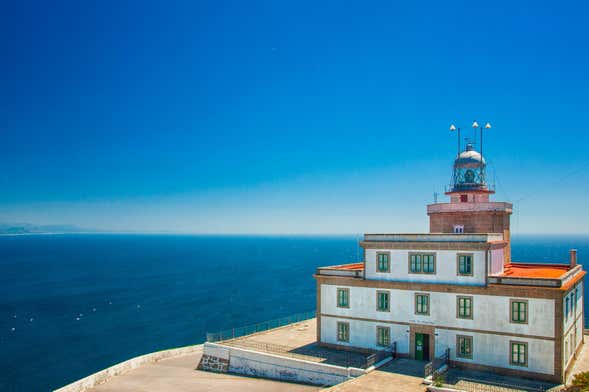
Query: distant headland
<point x="28" y="228"/>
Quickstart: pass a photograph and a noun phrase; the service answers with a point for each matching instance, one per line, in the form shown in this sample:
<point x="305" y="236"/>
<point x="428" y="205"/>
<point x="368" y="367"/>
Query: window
<point x="415" y="263"/>
<point x="422" y="263"/>
<point x="422" y="304"/>
<point x="343" y="298"/>
<point x="458" y="229"/>
<point x="463" y="198"/>
<point x="519" y="311"/>
<point x="464" y="346"/>
<point x="383" y="262"/>
<point x="343" y="332"/>
<point x="465" y="264"/>
<point x="575" y="303"/>
<point x="566" y="309"/>
<point x="519" y="354"/>
<point x="382" y="301"/>
<point x="383" y="336"/>
<point x="464" y="305"/>
<point x="428" y="264"/>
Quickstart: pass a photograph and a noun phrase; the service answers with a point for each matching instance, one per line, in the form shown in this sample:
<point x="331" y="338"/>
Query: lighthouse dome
<point x="469" y="158"/>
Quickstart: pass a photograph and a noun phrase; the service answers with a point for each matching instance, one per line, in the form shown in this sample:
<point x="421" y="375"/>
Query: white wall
<point x="573" y="333"/>
<point x="494" y="350"/>
<point x="266" y="365"/>
<point x="363" y="334"/>
<point x="490" y="313"/>
<point x="488" y="349"/>
<point x="446" y="267"/>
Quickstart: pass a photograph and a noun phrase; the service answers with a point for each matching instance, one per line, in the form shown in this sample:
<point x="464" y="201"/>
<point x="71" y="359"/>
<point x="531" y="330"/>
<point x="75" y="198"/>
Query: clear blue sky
<point x="287" y="117"/>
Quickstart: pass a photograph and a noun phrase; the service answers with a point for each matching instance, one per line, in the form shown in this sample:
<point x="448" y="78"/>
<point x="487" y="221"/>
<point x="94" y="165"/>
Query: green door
<point x="419" y="346"/>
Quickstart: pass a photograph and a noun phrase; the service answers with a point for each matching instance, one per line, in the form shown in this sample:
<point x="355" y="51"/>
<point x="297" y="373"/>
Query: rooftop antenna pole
<point x="487" y="126"/>
<point x="453" y="128"/>
<point x="475" y="125"/>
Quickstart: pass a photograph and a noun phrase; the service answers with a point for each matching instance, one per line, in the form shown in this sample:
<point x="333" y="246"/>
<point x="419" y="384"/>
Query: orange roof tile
<point x="353" y="267"/>
<point x="536" y="271"/>
<point x="573" y="281"/>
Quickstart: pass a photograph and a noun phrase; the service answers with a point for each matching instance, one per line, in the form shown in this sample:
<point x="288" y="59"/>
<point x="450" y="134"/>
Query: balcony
<point x="470" y="207"/>
<point x="434" y="237"/>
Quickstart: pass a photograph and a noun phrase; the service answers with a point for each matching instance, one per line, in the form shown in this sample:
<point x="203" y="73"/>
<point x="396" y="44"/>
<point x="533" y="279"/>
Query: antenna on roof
<point x="453" y="128"/>
<point x="487" y="126"/>
<point x="475" y="125"/>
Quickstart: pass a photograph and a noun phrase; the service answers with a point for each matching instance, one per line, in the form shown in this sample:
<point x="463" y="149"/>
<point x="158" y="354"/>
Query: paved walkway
<point x="582" y="362"/>
<point x="478" y="381"/>
<point x="403" y="375"/>
<point x="178" y="375"/>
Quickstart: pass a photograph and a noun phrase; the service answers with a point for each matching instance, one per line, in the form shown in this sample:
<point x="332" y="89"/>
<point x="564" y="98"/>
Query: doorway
<point x="421" y="346"/>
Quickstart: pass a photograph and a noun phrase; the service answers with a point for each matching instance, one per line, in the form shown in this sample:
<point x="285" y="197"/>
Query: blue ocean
<point x="71" y="305"/>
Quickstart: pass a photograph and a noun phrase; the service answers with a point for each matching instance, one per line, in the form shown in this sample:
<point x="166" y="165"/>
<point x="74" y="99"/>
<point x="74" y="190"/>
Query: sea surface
<point x="71" y="305"/>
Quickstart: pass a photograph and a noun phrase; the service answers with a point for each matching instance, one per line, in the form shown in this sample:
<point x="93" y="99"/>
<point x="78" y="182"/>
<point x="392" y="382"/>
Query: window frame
<point x="471" y="300"/>
<point x="388" y="270"/>
<point x="388" y="293"/>
<point x="421" y="262"/>
<point x="347" y="291"/>
<point x="511" y="320"/>
<point x="511" y="362"/>
<point x="388" y="334"/>
<point x="426" y="295"/>
<point x="458" y="351"/>
<point x="347" y="330"/>
<point x="458" y="256"/>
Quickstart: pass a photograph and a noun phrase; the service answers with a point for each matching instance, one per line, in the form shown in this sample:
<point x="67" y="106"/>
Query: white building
<point x="456" y="288"/>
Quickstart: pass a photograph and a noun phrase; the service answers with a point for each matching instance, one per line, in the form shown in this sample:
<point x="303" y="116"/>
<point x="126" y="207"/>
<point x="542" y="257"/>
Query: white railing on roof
<point x="435" y="237"/>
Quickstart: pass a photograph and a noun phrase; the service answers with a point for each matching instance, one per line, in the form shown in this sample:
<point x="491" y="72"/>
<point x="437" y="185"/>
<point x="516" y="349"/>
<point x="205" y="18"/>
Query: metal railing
<point x="259" y="327"/>
<point x="473" y="385"/>
<point x="432" y="368"/>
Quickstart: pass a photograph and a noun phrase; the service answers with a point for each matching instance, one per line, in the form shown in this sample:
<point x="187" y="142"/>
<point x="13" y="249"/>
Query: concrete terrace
<point x="179" y="374"/>
<point x="298" y="341"/>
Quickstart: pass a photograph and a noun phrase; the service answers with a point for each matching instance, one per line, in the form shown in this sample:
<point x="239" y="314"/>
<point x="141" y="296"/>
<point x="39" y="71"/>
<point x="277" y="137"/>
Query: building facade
<point x="456" y="288"/>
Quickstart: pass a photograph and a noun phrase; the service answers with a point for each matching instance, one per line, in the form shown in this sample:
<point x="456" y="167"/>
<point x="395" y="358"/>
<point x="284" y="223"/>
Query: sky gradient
<point x="288" y="117"/>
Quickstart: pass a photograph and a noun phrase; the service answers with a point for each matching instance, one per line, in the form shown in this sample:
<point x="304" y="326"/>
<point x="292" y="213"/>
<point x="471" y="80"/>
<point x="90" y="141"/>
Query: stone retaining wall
<point x="108" y="373"/>
<point x="221" y="358"/>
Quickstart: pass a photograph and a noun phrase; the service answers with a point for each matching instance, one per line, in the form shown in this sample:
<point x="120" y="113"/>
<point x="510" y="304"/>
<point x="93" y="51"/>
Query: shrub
<point x="438" y="380"/>
<point x="580" y="383"/>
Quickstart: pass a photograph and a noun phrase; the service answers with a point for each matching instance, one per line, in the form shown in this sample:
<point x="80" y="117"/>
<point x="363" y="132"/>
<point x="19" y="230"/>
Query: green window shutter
<point x="343" y="298"/>
<point x="383" y="301"/>
<point x="465" y="307"/>
<point x="422" y="304"/>
<point x="383" y="262"/>
<point x="519" y="312"/>
<point x="428" y="263"/>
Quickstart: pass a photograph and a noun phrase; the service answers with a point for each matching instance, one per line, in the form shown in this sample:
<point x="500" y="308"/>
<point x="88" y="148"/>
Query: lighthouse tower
<point x="470" y="209"/>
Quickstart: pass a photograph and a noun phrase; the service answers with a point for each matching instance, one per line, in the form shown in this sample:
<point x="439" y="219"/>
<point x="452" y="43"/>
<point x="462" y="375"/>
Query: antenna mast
<point x="453" y="128"/>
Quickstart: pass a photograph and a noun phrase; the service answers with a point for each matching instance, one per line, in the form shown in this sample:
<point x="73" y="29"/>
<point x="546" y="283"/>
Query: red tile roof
<point x="535" y="271"/>
<point x="348" y="267"/>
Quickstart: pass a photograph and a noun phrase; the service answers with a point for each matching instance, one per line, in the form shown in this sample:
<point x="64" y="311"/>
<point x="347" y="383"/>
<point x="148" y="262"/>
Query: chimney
<point x="573" y="259"/>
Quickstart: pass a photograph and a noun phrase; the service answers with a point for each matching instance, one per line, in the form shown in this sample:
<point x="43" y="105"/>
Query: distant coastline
<point x="13" y="229"/>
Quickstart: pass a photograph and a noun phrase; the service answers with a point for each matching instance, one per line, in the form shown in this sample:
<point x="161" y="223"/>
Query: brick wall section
<point x="473" y="222"/>
<point x="213" y="364"/>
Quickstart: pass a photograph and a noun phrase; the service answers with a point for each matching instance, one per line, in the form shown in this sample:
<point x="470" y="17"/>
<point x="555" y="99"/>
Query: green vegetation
<point x="439" y="380"/>
<point x="580" y="383"/>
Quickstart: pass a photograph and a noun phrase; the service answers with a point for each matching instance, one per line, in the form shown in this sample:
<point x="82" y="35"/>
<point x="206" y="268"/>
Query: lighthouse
<point x="470" y="209"/>
<point x="454" y="293"/>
